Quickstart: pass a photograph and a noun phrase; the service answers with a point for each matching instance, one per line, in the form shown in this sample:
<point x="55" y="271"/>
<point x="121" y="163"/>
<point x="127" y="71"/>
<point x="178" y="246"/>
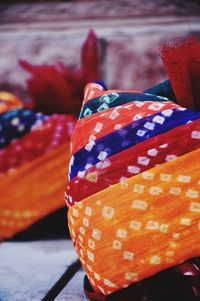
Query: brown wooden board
<point x="29" y="270"/>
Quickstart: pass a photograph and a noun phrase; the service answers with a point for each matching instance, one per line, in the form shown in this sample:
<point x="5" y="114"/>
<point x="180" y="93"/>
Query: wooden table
<point x="40" y="270"/>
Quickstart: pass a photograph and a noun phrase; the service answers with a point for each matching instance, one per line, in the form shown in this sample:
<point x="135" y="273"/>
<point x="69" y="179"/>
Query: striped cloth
<point x="133" y="191"/>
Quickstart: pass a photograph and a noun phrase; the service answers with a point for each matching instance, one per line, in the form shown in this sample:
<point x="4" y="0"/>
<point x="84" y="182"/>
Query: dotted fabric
<point x="142" y="225"/>
<point x="132" y="134"/>
<point x="41" y="139"/>
<point x="138" y="185"/>
<point x="34" y="151"/>
<point x="136" y="159"/>
<point x="114" y="99"/>
<point x="16" y="123"/>
<point x="99" y="125"/>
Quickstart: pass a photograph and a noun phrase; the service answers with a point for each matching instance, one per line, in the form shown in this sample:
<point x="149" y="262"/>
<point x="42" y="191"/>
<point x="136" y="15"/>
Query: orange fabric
<point x="9" y="102"/>
<point x="141" y="226"/>
<point x="32" y="191"/>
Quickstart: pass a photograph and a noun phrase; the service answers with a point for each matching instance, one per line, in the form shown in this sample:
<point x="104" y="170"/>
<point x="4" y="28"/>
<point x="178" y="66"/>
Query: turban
<point x="32" y="146"/>
<point x="134" y="187"/>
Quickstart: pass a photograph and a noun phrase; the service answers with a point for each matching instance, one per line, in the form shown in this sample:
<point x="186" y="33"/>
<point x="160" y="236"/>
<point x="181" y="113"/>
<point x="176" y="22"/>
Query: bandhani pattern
<point x="16" y="123"/>
<point x="140" y="224"/>
<point x="134" y="133"/>
<point x="134" y="160"/>
<point x="113" y="99"/>
<point x="96" y="126"/>
<point x="40" y="140"/>
<point x="26" y="201"/>
<point x="133" y="188"/>
<point x="32" y="146"/>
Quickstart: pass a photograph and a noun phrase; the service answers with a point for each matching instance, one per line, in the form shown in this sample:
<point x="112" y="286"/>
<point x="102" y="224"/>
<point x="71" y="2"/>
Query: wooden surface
<point x="74" y="290"/>
<point x="28" y="271"/>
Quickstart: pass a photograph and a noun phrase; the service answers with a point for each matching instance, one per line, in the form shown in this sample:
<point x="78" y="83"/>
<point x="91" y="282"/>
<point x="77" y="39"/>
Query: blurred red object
<point x="181" y="61"/>
<point x="59" y="89"/>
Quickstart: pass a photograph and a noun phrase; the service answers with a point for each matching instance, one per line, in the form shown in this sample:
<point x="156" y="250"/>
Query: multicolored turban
<point x="134" y="187"/>
<point x="32" y="146"/>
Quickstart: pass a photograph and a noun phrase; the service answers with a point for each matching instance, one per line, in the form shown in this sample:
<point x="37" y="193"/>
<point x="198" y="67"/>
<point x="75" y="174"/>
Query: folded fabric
<point x="140" y="224"/>
<point x="32" y="191"/>
<point x="16" y="123"/>
<point x="9" y="101"/>
<point x="134" y="160"/>
<point x="41" y="139"/>
<point x="133" y="188"/>
<point x="113" y="99"/>
<point x="132" y="134"/>
<point x="178" y="283"/>
<point x="32" y="146"/>
<point x="98" y="125"/>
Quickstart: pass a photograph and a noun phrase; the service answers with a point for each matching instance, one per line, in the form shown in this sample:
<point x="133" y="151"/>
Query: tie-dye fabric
<point x="137" y="158"/>
<point x="143" y="225"/>
<point x="133" y="188"/>
<point x="40" y="140"/>
<point x="113" y="99"/>
<point x="34" y="152"/>
<point x="132" y="134"/>
<point x="16" y="123"/>
<point x="98" y="125"/>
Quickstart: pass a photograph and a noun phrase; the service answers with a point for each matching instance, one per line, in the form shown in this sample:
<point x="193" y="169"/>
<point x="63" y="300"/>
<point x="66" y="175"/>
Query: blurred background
<point x="129" y="33"/>
<point x="49" y="50"/>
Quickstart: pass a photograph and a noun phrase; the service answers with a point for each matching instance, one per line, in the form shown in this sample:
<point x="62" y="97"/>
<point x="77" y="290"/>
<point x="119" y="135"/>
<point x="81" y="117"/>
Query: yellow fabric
<point x="138" y="227"/>
<point x="9" y="102"/>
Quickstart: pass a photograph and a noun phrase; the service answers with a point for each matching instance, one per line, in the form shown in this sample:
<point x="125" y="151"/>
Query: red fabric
<point x="111" y="118"/>
<point x="43" y="138"/>
<point x="173" y="143"/>
<point x="188" y="269"/>
<point x="90" y="62"/>
<point x="182" y="63"/>
<point x="59" y="89"/>
<point x="95" y="296"/>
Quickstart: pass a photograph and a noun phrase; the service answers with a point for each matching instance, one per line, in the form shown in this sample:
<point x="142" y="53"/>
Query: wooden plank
<point x="29" y="270"/>
<point x="74" y="289"/>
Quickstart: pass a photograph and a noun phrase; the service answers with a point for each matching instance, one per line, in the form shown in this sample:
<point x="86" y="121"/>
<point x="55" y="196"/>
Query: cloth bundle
<point x="32" y="146"/>
<point x="134" y="187"/>
<point x="8" y="101"/>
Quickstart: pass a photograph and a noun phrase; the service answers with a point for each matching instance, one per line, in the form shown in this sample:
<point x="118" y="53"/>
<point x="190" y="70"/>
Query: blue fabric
<point x="163" y="89"/>
<point x="101" y="83"/>
<point x="114" y="99"/>
<point x="132" y="134"/>
<point x="16" y="123"/>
